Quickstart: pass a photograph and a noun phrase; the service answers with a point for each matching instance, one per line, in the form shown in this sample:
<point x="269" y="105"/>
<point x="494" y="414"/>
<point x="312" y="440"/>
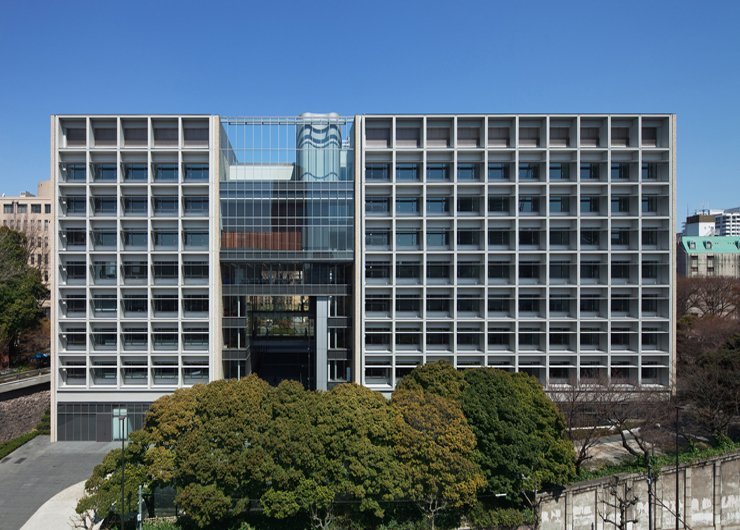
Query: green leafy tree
<point x="520" y="432"/>
<point x="434" y="443"/>
<point x="439" y="378"/>
<point x="21" y="289"/>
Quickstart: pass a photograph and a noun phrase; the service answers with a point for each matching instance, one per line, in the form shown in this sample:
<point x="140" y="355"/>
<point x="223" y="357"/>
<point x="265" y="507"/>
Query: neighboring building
<point x="701" y="225"/>
<point x="329" y="249"/>
<point x="708" y="256"/>
<point x="31" y="215"/>
<point x="727" y="222"/>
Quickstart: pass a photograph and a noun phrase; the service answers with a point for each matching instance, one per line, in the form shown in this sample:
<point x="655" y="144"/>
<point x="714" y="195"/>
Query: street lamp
<point x="678" y="510"/>
<point x="122" y="419"/>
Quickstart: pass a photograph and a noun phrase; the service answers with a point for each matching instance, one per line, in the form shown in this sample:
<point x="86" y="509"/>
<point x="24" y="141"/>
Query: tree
<point x="434" y="443"/>
<point x="710" y="383"/>
<point x="439" y="378"/>
<point x="618" y="502"/>
<point x="21" y="290"/>
<point x="520" y="433"/>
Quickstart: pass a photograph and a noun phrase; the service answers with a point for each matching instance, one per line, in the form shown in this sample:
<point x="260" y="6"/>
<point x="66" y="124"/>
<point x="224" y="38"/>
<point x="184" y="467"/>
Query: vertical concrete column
<point x="322" y="342"/>
<point x="717" y="497"/>
<point x="568" y="510"/>
<point x="687" y="497"/>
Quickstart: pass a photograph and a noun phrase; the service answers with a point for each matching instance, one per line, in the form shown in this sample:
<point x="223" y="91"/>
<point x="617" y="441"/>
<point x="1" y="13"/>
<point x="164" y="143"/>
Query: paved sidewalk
<point x="58" y="511"/>
<point x="39" y="470"/>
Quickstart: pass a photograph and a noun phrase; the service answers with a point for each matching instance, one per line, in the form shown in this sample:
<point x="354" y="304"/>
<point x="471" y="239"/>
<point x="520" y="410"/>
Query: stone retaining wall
<point x="21" y="413"/>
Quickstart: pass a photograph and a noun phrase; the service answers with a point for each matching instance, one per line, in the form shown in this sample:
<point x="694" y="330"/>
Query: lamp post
<point x="678" y="510"/>
<point x="122" y="419"/>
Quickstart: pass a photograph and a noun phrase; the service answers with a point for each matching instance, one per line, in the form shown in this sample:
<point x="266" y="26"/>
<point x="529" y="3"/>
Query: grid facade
<point x="528" y="243"/>
<point x="133" y="272"/>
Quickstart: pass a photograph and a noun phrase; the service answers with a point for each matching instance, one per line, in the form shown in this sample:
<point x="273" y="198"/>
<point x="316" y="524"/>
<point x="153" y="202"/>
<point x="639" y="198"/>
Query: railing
<point x="23" y="375"/>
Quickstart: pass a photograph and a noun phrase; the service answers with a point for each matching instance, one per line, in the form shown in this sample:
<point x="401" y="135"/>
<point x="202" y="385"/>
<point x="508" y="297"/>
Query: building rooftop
<point x="711" y="244"/>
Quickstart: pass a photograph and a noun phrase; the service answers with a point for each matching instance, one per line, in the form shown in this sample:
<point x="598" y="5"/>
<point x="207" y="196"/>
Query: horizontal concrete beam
<point x="25" y="383"/>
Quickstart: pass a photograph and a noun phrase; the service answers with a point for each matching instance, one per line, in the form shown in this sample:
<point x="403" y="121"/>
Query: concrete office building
<point x="708" y="256"/>
<point x="727" y="222"/>
<point x="329" y="249"/>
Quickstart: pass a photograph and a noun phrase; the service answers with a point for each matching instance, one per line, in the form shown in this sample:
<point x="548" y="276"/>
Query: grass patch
<point x="634" y="465"/>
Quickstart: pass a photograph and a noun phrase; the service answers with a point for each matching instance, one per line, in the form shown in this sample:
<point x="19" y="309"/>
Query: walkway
<point x="37" y="471"/>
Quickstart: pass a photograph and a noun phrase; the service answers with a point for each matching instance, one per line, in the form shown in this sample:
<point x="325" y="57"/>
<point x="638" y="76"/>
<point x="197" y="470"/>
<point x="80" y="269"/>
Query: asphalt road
<point x="35" y="472"/>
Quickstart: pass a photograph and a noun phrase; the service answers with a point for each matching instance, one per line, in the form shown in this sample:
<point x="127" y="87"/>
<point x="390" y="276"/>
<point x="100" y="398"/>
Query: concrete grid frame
<point x="536" y="243"/>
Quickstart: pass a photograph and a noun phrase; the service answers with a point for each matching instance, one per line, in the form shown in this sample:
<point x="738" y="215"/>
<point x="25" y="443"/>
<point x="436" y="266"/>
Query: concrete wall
<point x="709" y="495"/>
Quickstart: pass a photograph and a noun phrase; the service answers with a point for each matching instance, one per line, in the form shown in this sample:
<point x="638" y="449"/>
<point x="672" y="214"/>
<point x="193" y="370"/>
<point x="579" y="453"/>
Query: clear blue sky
<point x="285" y="58"/>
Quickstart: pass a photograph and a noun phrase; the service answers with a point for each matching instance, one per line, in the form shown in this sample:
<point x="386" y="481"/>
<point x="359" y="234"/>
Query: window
<point x="438" y="271"/>
<point x="407" y="171"/>
<point x="621" y="270"/>
<point x="196" y="205"/>
<point x="559" y="171"/>
<point x="529" y="269"/>
<point x="137" y="172"/>
<point x="105" y="205"/>
<point x="590" y="303"/>
<point x="165" y="270"/>
<point x="438" y="137"/>
<point x="377" y="237"/>
<point x="559" y="303"/>
<point x="377" y="137"/>
<point x="589" y="336"/>
<point x="590" y="171"/>
<point x="650" y="171"/>
<point x="620" y="204"/>
<point x="650" y="269"/>
<point x="498" y="337"/>
<point x="195" y="238"/>
<point x="165" y="303"/>
<point x="196" y="172"/>
<point x="529" y="204"/>
<point x="372" y="338"/>
<point x="620" y="171"/>
<point x="408" y="270"/>
<point x="498" y="171"/>
<point x="468" y="172"/>
<point x="437" y="238"/>
<point x="195" y="269"/>
<point x="375" y="270"/>
<point x="468" y="339"/>
<point x="165" y="172"/>
<point x="76" y="270"/>
<point x="499" y="303"/>
<point x="438" y="172"/>
<point x="135" y="270"/>
<point x="165" y="206"/>
<point x="499" y="270"/>
<point x="46" y="225"/>
<point x="407" y="205"/>
<point x="498" y="238"/>
<point x="104" y="270"/>
<point x="8" y="208"/>
<point x="529" y="303"/>
<point x="620" y="136"/>
<point x="407" y="238"/>
<point x="377" y="171"/>
<point x="650" y="237"/>
<point x="498" y="204"/>
<point x="529" y="336"/>
<point x="134" y="303"/>
<point x="649" y="303"/>
<point x="590" y="270"/>
<point x="438" y="204"/>
<point x="377" y="204"/>
<point x="468" y="136"/>
<point x="468" y="204"/>
<point x="620" y="236"/>
<point x="529" y="237"/>
<point x="529" y="171"/>
<point x="620" y="303"/>
<point x="589" y="136"/>
<point x="559" y="237"/>
<point x="559" y="337"/>
<point x="105" y="172"/>
<point x="407" y="136"/>
<point x="75" y="303"/>
<point x="47" y="208"/>
<point x="590" y="237"/>
<point x="559" y="204"/>
<point x="559" y="136"/>
<point x="559" y="270"/>
<point x="620" y="337"/>
<point x="589" y="204"/>
<point x="135" y="205"/>
<point x="35" y="208"/>
<point x="468" y="237"/>
<point x="469" y="303"/>
<point x="75" y="205"/>
<point x="649" y="204"/>
<point x="75" y="237"/>
<point x="104" y="238"/>
<point x="408" y="304"/>
<point x="649" y="136"/>
<point x="468" y="270"/>
<point x="165" y="238"/>
<point x="498" y="136"/>
<point x="529" y="136"/>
